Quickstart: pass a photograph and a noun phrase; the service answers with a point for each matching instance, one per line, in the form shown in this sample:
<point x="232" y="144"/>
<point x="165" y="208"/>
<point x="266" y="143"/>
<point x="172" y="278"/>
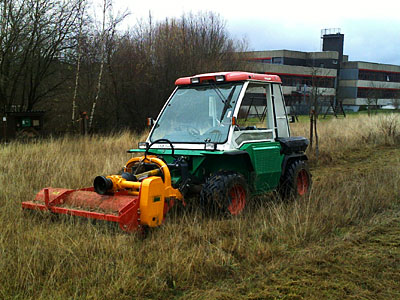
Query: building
<point x="21" y="125"/>
<point x="365" y="83"/>
<point x="299" y="72"/>
<point x="328" y="76"/>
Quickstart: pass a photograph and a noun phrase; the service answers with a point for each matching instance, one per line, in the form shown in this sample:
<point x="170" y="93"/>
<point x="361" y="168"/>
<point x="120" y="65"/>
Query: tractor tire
<point x="296" y="181"/>
<point x="225" y="192"/>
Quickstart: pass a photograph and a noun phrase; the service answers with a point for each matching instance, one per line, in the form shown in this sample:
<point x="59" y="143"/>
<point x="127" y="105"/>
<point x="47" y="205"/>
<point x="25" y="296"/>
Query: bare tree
<point x="107" y="38"/>
<point x="106" y="5"/>
<point x="78" y="64"/>
<point x="374" y="93"/>
<point x="36" y="37"/>
<point x="396" y="100"/>
<point x="50" y="51"/>
<point x="143" y="64"/>
<point x="317" y="96"/>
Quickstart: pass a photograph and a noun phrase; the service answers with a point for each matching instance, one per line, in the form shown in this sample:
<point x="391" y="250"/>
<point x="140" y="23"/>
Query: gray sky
<point x="371" y="28"/>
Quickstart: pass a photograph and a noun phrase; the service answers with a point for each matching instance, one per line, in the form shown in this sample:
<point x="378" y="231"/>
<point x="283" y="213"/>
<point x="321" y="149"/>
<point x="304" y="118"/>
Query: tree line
<point x="56" y="57"/>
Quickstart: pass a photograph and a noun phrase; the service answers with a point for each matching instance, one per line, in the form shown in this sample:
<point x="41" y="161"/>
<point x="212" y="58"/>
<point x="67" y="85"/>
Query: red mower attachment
<point x="120" y="207"/>
<point x="129" y="202"/>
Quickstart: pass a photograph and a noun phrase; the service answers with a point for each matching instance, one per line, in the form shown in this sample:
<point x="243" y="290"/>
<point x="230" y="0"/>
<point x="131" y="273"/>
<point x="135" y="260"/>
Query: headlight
<point x="142" y="145"/>
<point x="210" y="146"/>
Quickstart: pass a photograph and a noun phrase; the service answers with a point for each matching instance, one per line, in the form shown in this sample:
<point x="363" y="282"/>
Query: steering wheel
<point x="193" y="131"/>
<point x="158" y="141"/>
<point x="213" y="133"/>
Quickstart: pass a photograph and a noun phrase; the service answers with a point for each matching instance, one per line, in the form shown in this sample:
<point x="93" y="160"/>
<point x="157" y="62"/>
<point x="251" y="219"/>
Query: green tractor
<point x="223" y="136"/>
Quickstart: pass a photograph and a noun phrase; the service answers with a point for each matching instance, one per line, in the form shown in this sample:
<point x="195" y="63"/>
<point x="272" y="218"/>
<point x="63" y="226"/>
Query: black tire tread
<point x="287" y="187"/>
<point x="214" y="194"/>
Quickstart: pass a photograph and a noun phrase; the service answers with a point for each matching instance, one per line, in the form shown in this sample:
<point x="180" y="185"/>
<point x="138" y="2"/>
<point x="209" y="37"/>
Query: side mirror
<point x="292" y="119"/>
<point x="150" y="122"/>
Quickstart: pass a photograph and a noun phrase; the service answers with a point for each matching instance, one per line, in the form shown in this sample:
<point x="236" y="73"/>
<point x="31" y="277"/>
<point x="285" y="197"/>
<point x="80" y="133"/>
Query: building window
<point x="266" y="60"/>
<point x="377" y="93"/>
<point x="277" y="60"/>
<point x="378" y="76"/>
<point x="298" y="80"/>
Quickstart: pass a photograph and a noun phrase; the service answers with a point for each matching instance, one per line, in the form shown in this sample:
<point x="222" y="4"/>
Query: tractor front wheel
<point x="225" y="192"/>
<point x="296" y="181"/>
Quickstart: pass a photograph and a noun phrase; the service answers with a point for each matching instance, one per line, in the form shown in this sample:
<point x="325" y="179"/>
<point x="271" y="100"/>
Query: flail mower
<point x="221" y="136"/>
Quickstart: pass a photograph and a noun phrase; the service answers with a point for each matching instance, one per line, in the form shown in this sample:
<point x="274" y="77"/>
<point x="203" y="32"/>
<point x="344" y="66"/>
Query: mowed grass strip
<point x="341" y="242"/>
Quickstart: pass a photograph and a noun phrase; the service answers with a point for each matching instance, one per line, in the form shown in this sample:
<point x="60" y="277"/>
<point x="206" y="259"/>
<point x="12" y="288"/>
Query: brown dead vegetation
<point x="341" y="242"/>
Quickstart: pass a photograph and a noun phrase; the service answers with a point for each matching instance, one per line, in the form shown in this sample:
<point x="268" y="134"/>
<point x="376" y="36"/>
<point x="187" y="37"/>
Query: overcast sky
<point x="371" y="28"/>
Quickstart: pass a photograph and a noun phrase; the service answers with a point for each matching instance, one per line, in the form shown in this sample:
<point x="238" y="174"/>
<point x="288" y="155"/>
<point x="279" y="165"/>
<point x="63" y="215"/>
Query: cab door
<point x="255" y="133"/>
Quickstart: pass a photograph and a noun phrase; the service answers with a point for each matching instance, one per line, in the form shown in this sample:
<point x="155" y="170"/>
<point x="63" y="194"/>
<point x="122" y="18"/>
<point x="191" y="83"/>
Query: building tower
<point x="333" y="40"/>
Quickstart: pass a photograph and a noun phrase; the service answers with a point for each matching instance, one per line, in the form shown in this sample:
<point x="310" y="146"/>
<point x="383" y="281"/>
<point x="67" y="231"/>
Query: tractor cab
<point x="222" y="111"/>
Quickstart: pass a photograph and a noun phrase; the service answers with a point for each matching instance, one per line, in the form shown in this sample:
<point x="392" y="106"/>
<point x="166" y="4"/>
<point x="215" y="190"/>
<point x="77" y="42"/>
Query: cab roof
<point x="226" y="77"/>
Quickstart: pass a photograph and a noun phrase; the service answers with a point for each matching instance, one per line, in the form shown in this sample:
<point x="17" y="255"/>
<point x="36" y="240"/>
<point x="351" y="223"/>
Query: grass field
<point x="342" y="242"/>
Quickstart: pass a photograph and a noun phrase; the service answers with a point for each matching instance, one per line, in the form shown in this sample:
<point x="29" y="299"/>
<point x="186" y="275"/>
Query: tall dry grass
<point x="191" y="256"/>
<point x="337" y="136"/>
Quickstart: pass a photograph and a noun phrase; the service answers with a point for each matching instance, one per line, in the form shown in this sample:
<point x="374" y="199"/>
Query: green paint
<point x="267" y="162"/>
<point x="263" y="174"/>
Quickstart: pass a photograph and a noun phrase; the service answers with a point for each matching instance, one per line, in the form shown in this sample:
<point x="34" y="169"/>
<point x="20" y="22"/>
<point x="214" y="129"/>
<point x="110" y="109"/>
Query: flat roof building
<point x="299" y="72"/>
<point x="366" y="83"/>
<point x="329" y="75"/>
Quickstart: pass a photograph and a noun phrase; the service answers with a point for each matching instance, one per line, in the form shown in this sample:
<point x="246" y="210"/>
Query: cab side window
<point x="253" y="111"/>
<point x="255" y="120"/>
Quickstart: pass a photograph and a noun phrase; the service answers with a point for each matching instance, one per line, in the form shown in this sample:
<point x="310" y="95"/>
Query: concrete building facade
<point x="328" y="75"/>
<point x="300" y="72"/>
<point x="365" y="83"/>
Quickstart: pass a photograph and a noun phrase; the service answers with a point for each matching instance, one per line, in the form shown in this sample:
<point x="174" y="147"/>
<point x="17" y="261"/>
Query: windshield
<point x="198" y="114"/>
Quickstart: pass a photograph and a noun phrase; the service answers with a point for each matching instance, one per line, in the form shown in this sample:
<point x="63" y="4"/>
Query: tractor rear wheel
<point x="225" y="192"/>
<point x="296" y="181"/>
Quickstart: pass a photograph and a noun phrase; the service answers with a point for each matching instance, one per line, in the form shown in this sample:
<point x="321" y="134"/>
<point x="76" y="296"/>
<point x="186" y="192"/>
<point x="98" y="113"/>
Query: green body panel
<point x="203" y="163"/>
<point x="267" y="160"/>
<point x="262" y="167"/>
<point x="195" y="162"/>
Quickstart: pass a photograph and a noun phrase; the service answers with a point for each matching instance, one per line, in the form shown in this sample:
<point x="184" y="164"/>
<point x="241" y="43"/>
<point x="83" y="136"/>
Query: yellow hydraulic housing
<point x="152" y="190"/>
